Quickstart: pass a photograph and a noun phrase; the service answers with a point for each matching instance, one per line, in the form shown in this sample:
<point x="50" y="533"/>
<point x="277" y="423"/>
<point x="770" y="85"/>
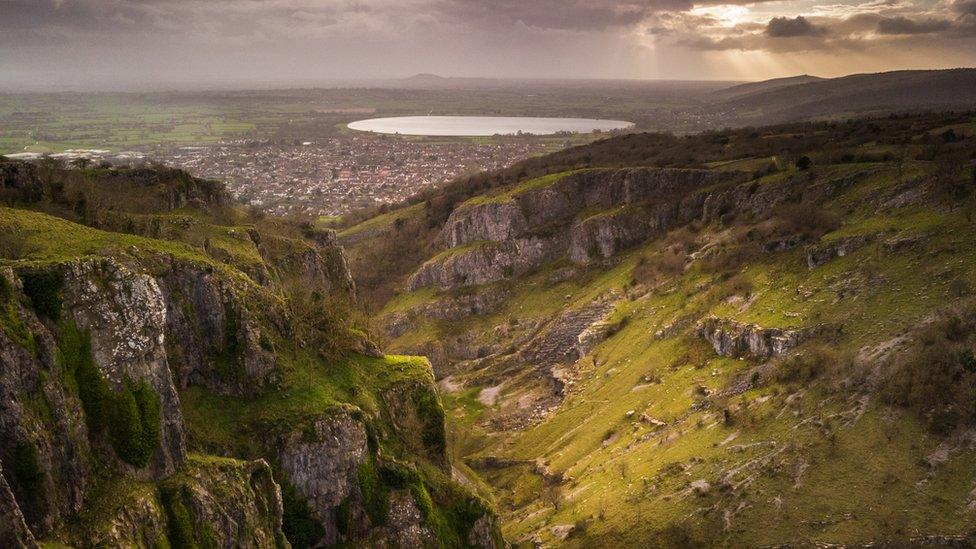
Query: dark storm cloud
<point x="102" y="42"/>
<point x="904" y="25"/>
<point x="784" y="27"/>
<point x="965" y="7"/>
<point x="556" y="14"/>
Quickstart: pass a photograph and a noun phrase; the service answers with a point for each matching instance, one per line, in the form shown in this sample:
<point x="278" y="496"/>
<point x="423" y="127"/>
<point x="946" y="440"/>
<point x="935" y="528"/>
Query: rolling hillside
<point x="763" y="86"/>
<point x="764" y="340"/>
<point x="854" y="95"/>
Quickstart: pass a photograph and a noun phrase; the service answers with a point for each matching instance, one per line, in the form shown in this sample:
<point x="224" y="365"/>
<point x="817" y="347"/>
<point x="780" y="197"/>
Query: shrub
<point x="805" y="219"/>
<point x="298" y="524"/>
<point x="735" y="285"/>
<point x="375" y="494"/>
<point x="74" y="353"/>
<point x="936" y="376"/>
<point x="656" y="267"/>
<point x="180" y="519"/>
<point x="134" y="423"/>
<point x="27" y="471"/>
<point x="805" y="366"/>
<point x="431" y="413"/>
<point x="131" y="416"/>
<point x="15" y="243"/>
<point x="43" y="289"/>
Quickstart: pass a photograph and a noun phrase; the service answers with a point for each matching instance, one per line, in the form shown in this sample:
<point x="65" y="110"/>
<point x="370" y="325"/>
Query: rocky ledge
<point x="732" y="338"/>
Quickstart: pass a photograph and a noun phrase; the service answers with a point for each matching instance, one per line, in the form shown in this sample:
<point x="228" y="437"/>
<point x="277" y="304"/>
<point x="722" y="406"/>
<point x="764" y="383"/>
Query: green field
<point x="48" y="122"/>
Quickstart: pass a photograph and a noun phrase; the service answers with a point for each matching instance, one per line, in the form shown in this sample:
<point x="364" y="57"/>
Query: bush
<point x="15" y="243"/>
<point x="936" y="376"/>
<point x="805" y="219"/>
<point x="27" y="471"/>
<point x="656" y="267"/>
<point x="74" y="353"/>
<point x="735" y="285"/>
<point x="134" y="423"/>
<point x="43" y="289"/>
<point x="376" y="497"/>
<point x="298" y="524"/>
<point x="431" y="413"/>
<point x="805" y="366"/>
<point x="131" y="416"/>
<point x="180" y="519"/>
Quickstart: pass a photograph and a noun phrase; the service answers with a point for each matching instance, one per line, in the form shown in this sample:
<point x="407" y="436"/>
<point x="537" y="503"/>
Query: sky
<point x="114" y="44"/>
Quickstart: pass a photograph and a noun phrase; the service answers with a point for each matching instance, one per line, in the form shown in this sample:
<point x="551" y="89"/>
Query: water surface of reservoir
<point x="472" y="126"/>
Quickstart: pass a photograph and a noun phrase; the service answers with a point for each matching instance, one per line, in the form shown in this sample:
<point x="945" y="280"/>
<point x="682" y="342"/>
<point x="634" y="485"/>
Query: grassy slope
<point x="803" y="467"/>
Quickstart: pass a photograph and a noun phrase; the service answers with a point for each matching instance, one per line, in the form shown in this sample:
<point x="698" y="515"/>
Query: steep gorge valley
<point x="754" y="337"/>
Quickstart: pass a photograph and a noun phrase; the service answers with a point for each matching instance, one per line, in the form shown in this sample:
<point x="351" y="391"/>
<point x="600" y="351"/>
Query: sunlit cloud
<point x="98" y="42"/>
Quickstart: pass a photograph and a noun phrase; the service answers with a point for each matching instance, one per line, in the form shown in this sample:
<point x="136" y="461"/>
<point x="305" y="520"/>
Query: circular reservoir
<point x="474" y="126"/>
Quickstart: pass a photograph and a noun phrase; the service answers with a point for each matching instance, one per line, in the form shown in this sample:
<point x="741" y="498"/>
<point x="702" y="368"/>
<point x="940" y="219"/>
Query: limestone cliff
<point x="127" y="361"/>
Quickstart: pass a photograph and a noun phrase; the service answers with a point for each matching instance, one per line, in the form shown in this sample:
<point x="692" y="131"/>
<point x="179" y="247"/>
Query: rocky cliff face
<point x="592" y="215"/>
<point x="485" y="262"/>
<point x="585" y="215"/>
<point x="13" y="530"/>
<point x="736" y="339"/>
<point x="101" y="334"/>
<point x="88" y="390"/>
<point x="322" y="461"/>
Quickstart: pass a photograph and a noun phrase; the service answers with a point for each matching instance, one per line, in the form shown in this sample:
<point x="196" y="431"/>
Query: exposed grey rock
<point x="522" y="232"/>
<point x="484" y="262"/>
<point x="732" y="338"/>
<point x="571" y="335"/>
<point x="496" y="221"/>
<point x="901" y="243"/>
<point x="60" y="440"/>
<point x="824" y="253"/>
<point x="484" y="533"/>
<point x="321" y="462"/>
<point x="13" y="530"/>
<point x="405" y="526"/>
<point x="449" y="307"/>
<point x="125" y="314"/>
<point x="237" y="502"/>
<point x="228" y="503"/>
<point x="219" y="338"/>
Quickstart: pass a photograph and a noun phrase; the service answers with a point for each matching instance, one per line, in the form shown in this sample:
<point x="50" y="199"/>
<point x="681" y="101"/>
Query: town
<point x="334" y="175"/>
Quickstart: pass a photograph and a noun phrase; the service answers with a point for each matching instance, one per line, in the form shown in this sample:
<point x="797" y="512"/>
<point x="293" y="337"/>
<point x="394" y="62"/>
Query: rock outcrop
<point x="322" y="462"/>
<point x="13" y="530"/>
<point x="498" y="237"/>
<point x="826" y="252"/>
<point x="220" y="338"/>
<point x="101" y="331"/>
<point x="590" y="215"/>
<point x="124" y="315"/>
<point x="570" y="336"/>
<point x="484" y="262"/>
<point x="732" y="338"/>
<point x="230" y="503"/>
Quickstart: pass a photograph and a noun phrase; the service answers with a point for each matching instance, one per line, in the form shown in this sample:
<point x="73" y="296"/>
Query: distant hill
<point x="425" y="78"/>
<point x="858" y="94"/>
<point x="764" y="86"/>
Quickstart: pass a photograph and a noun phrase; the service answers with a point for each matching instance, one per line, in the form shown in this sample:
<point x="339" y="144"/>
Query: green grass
<point x="381" y="221"/>
<point x="509" y="194"/>
<point x="836" y="476"/>
<point x="312" y="386"/>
